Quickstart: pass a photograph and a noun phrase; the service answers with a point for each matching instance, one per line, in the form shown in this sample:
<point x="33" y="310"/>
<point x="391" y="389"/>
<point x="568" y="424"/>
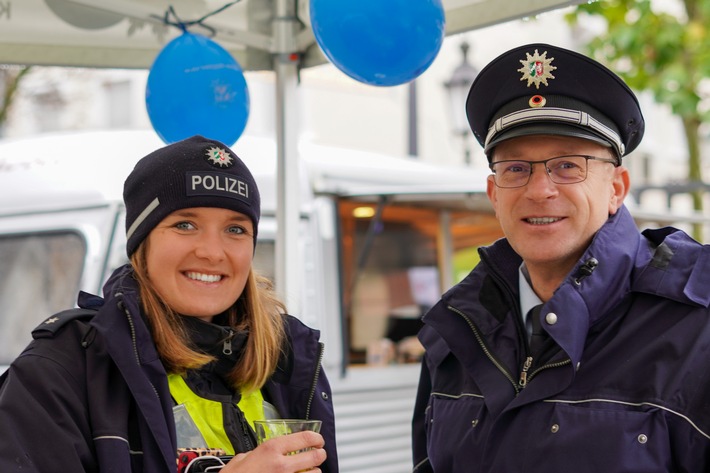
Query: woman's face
<point x="198" y="259"/>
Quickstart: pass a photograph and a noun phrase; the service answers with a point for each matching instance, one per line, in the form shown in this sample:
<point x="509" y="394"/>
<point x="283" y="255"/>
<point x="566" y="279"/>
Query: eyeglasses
<point x="561" y="170"/>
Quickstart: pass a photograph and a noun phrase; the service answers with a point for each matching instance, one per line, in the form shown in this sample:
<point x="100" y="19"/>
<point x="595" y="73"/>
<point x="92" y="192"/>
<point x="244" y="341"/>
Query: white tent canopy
<point x="130" y="33"/>
<point x="261" y="35"/>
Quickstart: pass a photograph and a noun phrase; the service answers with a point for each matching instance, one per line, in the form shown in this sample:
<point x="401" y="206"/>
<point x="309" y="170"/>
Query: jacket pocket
<point x="603" y="436"/>
<point x="453" y="421"/>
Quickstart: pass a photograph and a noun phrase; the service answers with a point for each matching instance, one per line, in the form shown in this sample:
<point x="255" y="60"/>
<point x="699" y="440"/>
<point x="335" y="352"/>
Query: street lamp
<point x="458" y="86"/>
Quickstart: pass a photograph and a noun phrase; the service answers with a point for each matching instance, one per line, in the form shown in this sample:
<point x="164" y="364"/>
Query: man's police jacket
<point x="91" y="394"/>
<point x="623" y="384"/>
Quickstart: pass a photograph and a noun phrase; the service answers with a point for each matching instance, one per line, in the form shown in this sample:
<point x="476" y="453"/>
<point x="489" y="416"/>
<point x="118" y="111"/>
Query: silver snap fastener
<point x="551" y="318"/>
<point x="324" y="395"/>
<point x="642" y="438"/>
<point x="474" y="422"/>
<point x="555" y="428"/>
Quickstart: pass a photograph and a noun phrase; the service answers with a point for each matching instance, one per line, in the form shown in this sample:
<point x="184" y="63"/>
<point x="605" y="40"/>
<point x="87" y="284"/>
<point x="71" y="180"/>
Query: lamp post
<point x="458" y="86"/>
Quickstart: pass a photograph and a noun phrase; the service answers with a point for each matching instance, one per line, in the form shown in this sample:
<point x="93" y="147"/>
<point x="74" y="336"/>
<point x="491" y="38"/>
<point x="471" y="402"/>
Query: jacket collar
<point x="490" y="294"/>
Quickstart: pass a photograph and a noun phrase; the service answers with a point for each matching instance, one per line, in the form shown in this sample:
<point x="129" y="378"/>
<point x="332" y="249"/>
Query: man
<point x="611" y="371"/>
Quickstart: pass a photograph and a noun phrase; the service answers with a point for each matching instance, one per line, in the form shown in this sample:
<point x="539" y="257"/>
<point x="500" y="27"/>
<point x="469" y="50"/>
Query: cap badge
<point x="537" y="101"/>
<point x="219" y="157"/>
<point x="537" y="68"/>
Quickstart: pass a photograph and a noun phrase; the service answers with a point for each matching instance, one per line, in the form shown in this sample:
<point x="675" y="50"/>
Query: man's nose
<point x="540" y="177"/>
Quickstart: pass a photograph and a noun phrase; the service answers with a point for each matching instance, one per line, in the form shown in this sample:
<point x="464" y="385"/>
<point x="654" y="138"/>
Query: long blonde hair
<point x="257" y="309"/>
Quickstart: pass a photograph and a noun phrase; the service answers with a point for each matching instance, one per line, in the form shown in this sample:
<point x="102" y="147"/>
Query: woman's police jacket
<point x="90" y="393"/>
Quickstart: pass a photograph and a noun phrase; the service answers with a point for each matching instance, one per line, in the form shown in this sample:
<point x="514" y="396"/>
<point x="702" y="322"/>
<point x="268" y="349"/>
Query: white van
<point x="380" y="238"/>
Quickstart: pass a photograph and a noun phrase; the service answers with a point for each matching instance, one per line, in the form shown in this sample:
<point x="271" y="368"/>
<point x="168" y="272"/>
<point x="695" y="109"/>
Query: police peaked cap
<point x="540" y="89"/>
<point x="194" y="172"/>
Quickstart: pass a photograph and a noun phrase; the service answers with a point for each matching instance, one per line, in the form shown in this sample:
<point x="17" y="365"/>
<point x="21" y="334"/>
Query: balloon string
<point x="184" y="25"/>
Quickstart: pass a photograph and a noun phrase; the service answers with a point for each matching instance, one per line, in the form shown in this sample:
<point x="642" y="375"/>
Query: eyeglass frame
<point x="586" y="157"/>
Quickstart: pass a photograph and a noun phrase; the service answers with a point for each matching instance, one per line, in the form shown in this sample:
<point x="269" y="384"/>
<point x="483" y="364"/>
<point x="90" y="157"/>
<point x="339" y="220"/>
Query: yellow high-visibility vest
<point x="208" y="415"/>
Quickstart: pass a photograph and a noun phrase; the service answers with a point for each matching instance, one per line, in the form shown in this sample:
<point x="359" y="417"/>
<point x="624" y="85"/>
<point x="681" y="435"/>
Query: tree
<point x="10" y="77"/>
<point x="664" y="52"/>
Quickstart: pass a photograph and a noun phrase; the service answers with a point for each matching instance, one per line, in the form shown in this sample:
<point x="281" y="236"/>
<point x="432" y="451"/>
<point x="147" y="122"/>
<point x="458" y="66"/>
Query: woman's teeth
<point x="204" y="277"/>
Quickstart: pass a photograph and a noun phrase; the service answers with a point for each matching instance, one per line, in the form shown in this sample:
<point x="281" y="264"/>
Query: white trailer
<point x="379" y="239"/>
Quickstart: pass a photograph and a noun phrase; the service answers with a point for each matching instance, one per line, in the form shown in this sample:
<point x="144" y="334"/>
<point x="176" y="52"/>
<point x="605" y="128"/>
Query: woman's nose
<point x="209" y="245"/>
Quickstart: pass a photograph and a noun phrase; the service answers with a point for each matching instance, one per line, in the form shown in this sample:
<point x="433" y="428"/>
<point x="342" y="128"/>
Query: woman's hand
<point x="277" y="455"/>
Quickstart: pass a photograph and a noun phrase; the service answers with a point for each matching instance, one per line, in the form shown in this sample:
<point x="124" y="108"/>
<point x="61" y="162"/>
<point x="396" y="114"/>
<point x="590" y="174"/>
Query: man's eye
<point x="567" y="165"/>
<point x="516" y="168"/>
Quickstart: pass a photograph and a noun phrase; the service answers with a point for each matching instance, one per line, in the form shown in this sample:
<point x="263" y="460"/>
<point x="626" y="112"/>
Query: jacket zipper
<point x="246" y="431"/>
<point x="523" y="381"/>
<point x="490" y="356"/>
<point x="227" y="344"/>
<point x="544" y="367"/>
<point x="132" y="326"/>
<point x="525" y="375"/>
<point x="316" y="375"/>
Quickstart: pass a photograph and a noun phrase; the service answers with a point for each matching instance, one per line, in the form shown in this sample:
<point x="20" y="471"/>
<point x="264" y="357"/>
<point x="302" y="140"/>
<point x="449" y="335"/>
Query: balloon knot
<point x="171" y="18"/>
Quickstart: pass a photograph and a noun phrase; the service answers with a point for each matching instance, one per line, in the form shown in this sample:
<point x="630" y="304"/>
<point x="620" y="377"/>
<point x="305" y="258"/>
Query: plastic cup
<point x="270" y="428"/>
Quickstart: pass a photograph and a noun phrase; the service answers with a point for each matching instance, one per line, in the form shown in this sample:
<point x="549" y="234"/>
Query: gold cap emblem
<point x="537" y="68"/>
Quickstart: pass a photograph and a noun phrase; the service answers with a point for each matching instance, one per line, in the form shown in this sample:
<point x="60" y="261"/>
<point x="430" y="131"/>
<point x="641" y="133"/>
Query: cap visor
<point x="556" y="129"/>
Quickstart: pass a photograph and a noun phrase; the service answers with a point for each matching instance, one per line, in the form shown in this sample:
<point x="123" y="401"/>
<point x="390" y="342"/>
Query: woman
<point x="186" y="335"/>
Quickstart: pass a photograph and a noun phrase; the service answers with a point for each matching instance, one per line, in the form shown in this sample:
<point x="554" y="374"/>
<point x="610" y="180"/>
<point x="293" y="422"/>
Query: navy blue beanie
<point x="195" y="172"/>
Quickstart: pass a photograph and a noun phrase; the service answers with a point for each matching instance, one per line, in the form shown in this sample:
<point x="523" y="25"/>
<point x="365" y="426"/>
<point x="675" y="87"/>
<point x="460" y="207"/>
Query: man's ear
<point x="491" y="191"/>
<point x="619" y="188"/>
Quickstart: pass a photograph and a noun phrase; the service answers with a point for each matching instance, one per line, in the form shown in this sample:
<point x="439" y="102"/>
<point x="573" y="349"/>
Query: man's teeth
<point x="204" y="277"/>
<point x="542" y="220"/>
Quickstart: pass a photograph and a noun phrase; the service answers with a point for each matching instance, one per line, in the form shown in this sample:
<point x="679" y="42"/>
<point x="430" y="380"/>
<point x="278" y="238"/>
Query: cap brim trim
<point x="552" y="115"/>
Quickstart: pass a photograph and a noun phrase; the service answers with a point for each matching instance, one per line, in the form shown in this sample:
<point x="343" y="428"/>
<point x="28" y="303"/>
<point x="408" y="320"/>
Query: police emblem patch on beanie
<point x="537" y="68"/>
<point x="219" y="157"/>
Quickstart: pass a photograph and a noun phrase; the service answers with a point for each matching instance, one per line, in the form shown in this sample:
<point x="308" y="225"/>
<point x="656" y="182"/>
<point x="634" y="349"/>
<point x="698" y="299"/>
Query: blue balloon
<point x="196" y="87"/>
<point x="379" y="42"/>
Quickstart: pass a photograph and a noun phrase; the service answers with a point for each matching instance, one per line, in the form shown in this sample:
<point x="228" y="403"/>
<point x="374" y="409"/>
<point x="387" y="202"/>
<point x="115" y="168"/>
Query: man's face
<point x="550" y="225"/>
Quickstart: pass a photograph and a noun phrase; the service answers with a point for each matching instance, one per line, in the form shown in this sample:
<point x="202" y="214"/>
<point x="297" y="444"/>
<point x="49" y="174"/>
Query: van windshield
<point x="40" y="275"/>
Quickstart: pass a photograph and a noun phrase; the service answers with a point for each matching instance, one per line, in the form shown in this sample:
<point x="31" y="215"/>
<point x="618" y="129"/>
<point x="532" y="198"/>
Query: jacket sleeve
<point x="419" y="434"/>
<point x="44" y="425"/>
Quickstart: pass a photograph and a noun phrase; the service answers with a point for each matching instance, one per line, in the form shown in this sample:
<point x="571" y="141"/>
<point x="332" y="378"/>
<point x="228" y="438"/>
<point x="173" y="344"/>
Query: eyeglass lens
<point x="562" y="170"/>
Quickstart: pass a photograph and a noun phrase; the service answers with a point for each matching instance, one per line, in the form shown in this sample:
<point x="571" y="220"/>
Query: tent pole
<point x="287" y="258"/>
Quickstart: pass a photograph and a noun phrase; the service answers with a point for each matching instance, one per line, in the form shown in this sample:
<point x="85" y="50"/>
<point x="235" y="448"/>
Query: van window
<point x="265" y="258"/>
<point x="396" y="267"/>
<point x="40" y="276"/>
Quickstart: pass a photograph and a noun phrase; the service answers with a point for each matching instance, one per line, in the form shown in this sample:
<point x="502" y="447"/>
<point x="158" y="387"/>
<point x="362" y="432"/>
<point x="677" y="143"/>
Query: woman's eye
<point x="184" y="226"/>
<point x="237" y="230"/>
